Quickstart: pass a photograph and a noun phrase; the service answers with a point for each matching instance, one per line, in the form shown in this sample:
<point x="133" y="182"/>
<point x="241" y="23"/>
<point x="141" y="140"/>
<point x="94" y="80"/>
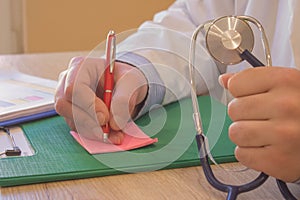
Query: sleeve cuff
<point x="156" y="88"/>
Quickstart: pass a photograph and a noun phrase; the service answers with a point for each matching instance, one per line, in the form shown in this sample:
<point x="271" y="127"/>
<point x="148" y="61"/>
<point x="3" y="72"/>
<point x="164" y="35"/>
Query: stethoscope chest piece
<point x="226" y="36"/>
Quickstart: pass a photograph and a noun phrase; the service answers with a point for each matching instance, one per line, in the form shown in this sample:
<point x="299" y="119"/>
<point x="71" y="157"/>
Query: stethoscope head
<point x="226" y="37"/>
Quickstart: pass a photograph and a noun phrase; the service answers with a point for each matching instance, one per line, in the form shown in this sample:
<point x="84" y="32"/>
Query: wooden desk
<point x="183" y="183"/>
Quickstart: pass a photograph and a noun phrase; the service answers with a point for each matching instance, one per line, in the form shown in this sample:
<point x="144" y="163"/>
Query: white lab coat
<point x="165" y="41"/>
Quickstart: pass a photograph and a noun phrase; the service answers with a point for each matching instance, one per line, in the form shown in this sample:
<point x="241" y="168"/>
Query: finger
<point x="126" y="96"/>
<point x="59" y="100"/>
<point x="254" y="107"/>
<point x="253" y="81"/>
<point x="224" y="78"/>
<point x="71" y="73"/>
<point x="59" y="92"/>
<point x="87" y="127"/>
<point x="265" y="106"/>
<point x="84" y="75"/>
<point x="116" y="137"/>
<point x="87" y="101"/>
<point x="253" y="158"/>
<point x="92" y="131"/>
<point x="71" y="111"/>
<point x="73" y="68"/>
<point x="73" y="77"/>
<point x="80" y="120"/>
<point x="252" y="133"/>
<point x="265" y="159"/>
<point x="81" y="88"/>
<point x="64" y="79"/>
<point x="122" y="106"/>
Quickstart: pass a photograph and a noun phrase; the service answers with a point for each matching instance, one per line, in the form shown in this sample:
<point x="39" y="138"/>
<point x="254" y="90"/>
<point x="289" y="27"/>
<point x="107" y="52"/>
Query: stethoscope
<point x="229" y="40"/>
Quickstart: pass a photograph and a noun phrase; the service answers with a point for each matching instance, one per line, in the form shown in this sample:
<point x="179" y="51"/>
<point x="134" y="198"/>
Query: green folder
<point x="59" y="157"/>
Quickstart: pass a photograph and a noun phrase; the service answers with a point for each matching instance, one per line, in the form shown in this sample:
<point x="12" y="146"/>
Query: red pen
<point x="109" y="77"/>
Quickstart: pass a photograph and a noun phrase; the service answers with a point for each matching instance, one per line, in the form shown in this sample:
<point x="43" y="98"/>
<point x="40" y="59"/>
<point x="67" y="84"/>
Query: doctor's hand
<point x="79" y="95"/>
<point x="266" y="119"/>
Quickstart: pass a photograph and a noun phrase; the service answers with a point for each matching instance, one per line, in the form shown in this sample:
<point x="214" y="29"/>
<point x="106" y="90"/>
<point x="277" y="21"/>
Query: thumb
<point x="129" y="92"/>
<point x="224" y="79"/>
<point x="122" y="109"/>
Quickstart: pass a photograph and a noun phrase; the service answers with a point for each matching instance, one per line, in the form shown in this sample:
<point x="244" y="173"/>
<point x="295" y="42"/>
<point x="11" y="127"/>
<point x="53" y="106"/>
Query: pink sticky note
<point x="134" y="138"/>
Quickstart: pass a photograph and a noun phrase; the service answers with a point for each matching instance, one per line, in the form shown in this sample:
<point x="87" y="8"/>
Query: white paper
<point x="23" y="95"/>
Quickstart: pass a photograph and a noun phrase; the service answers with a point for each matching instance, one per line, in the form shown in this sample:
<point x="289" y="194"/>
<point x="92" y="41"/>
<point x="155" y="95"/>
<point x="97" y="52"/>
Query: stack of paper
<point x="24" y="97"/>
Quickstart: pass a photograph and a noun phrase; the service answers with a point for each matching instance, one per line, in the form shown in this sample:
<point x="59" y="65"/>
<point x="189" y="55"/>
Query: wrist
<point x="155" y="91"/>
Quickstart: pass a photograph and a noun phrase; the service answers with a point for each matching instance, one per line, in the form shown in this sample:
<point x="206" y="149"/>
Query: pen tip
<point x="105" y="137"/>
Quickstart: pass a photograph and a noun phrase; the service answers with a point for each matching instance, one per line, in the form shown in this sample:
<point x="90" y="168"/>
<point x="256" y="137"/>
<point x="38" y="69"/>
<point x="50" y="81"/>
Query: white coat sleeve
<point x="160" y="49"/>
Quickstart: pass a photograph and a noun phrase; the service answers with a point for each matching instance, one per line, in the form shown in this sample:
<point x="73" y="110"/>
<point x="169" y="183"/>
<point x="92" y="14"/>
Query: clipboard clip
<point x="15" y="150"/>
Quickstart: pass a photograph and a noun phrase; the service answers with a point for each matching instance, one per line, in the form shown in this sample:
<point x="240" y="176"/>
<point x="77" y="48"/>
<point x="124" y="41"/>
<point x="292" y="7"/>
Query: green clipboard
<point x="59" y="157"/>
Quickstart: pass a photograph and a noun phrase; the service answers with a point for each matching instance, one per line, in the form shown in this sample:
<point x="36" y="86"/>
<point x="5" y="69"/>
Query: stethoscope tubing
<point x="232" y="190"/>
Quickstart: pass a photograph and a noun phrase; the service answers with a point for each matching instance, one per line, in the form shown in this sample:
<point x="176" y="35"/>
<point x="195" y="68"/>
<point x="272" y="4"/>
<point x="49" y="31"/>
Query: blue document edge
<point x="28" y="118"/>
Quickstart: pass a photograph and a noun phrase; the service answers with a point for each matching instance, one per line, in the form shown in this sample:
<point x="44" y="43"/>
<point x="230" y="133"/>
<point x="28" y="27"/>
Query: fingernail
<point x="116" y="138"/>
<point x="220" y="79"/>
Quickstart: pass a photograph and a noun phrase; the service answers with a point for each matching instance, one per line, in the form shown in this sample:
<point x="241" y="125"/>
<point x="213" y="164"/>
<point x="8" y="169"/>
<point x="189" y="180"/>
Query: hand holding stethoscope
<point x="226" y="43"/>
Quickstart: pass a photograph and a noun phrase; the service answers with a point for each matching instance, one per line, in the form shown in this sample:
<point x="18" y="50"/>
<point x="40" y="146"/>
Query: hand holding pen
<point x="86" y="108"/>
